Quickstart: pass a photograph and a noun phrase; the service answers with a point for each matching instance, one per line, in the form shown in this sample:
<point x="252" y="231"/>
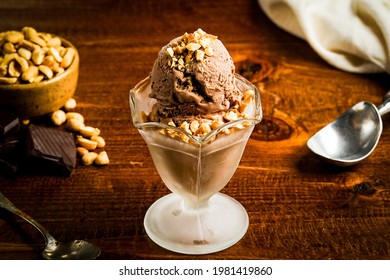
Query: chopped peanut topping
<point x="190" y="47"/>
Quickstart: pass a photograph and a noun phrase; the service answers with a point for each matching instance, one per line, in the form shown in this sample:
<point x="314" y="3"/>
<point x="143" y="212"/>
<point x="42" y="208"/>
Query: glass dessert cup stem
<point x="212" y="226"/>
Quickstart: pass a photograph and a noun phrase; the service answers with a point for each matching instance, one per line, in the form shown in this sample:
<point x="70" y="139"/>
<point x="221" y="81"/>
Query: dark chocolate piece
<point x="9" y="123"/>
<point x="7" y="147"/>
<point x="49" y="148"/>
<point x="11" y="155"/>
<point x="9" y="166"/>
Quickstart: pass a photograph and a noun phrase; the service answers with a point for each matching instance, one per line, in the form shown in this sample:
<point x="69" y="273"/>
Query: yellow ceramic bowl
<point x="36" y="99"/>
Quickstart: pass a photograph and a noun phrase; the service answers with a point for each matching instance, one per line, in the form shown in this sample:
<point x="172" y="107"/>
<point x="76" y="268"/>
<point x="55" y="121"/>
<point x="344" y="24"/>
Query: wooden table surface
<point x="299" y="208"/>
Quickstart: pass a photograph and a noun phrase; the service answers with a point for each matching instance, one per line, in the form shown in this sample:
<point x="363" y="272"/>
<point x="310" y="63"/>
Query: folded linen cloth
<point x="353" y="35"/>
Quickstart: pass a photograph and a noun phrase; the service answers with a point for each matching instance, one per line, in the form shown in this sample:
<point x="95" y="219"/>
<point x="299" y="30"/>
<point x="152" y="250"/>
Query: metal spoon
<point x="75" y="250"/>
<point x="353" y="136"/>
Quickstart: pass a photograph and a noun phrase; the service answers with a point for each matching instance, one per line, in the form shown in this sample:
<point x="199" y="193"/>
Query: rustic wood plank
<point x="298" y="207"/>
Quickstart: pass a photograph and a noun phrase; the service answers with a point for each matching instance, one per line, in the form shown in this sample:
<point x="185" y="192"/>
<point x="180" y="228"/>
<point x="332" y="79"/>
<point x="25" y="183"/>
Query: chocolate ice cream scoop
<point x="193" y="75"/>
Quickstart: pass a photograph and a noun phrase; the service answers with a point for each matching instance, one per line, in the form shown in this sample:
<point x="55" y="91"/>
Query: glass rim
<point x="253" y="120"/>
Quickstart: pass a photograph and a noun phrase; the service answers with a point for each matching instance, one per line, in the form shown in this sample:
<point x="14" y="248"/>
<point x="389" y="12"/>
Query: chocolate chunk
<point x="10" y="144"/>
<point x="11" y="155"/>
<point x="9" y="166"/>
<point x="9" y="123"/>
<point x="7" y="147"/>
<point x="50" y="149"/>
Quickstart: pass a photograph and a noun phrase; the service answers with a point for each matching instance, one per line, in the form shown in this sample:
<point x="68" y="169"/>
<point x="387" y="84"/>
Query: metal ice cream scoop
<point x="353" y="136"/>
<point x="75" y="250"/>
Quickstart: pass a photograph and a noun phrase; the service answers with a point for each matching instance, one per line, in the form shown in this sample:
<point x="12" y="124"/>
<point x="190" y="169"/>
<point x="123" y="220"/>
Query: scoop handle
<point x="8" y="205"/>
<point x="384" y="108"/>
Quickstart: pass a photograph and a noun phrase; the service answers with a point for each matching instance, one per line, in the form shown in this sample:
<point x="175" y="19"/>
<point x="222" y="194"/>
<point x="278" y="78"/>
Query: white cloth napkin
<point x="353" y="35"/>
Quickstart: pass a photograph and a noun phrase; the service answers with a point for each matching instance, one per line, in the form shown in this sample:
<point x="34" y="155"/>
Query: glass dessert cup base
<point x="209" y="228"/>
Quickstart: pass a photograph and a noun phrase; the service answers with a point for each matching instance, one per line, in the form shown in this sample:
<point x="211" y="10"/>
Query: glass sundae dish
<point x="196" y="120"/>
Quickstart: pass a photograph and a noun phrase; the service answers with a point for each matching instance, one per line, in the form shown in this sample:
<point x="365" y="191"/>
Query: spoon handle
<point x="8" y="205"/>
<point x="384" y="108"/>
